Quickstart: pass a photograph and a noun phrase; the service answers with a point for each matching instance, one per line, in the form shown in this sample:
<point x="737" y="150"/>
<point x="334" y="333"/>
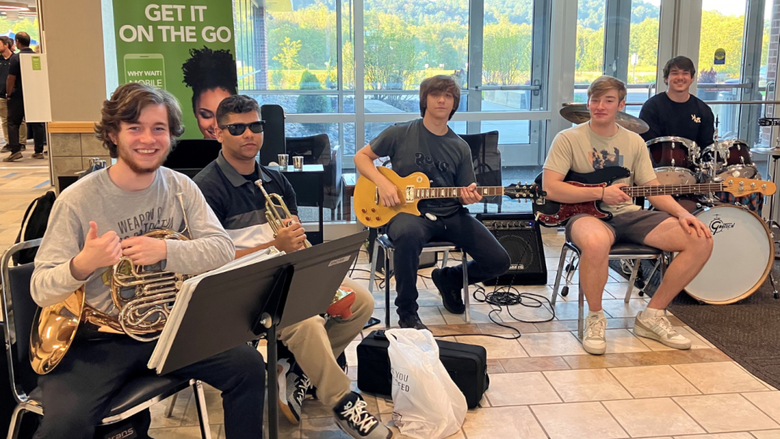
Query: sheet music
<point x="160" y="354"/>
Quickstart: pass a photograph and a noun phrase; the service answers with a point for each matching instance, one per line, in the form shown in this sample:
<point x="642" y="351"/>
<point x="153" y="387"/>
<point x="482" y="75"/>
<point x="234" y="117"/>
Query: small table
<point x="309" y="185"/>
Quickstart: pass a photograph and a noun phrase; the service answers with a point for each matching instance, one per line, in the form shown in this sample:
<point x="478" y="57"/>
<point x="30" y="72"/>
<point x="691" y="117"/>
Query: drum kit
<point x="743" y="242"/>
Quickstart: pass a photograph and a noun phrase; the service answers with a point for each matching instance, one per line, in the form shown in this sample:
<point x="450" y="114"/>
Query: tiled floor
<point x="543" y="385"/>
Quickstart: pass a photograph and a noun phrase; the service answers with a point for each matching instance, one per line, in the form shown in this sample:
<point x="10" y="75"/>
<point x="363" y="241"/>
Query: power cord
<point x="500" y="297"/>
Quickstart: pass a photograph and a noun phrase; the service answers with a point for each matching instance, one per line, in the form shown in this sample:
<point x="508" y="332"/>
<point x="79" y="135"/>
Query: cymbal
<point x="770" y="151"/>
<point x="579" y="113"/>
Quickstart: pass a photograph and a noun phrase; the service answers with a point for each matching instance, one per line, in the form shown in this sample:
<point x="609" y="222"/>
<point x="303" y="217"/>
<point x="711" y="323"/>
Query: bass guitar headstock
<point x="525" y="192"/>
<point x="739" y="187"/>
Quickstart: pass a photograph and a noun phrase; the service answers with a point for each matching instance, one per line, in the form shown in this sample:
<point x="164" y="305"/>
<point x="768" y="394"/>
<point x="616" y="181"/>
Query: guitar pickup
<point x="410" y="194"/>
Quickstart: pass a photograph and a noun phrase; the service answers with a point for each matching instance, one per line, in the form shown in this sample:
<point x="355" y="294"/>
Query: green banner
<point x="186" y="48"/>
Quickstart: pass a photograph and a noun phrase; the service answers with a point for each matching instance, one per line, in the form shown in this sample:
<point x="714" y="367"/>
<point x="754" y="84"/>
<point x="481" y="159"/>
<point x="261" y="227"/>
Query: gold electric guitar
<point x="370" y="211"/>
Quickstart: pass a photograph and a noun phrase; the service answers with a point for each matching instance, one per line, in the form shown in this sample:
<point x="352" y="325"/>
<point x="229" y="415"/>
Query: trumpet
<point x="274" y="203"/>
<point x="141" y="316"/>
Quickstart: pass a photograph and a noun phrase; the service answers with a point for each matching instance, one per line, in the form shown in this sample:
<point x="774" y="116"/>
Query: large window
<point x="618" y="41"/>
<point x="589" y="60"/>
<point x="642" y="53"/>
<point x="352" y="69"/>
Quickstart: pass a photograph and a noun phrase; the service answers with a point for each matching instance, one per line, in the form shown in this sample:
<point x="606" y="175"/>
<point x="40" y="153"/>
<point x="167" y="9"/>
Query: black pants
<point x="77" y="393"/>
<point x="410" y="233"/>
<point x="15" y="118"/>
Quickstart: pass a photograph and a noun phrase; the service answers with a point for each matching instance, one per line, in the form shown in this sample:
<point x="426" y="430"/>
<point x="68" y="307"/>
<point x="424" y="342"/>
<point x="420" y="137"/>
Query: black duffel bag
<point x="466" y="364"/>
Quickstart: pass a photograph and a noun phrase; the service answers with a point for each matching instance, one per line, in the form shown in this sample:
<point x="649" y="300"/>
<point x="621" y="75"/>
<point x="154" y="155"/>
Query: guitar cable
<point x="500" y="297"/>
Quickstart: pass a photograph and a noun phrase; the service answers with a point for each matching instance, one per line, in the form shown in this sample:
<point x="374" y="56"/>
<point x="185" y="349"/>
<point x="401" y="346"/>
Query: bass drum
<point x="742" y="255"/>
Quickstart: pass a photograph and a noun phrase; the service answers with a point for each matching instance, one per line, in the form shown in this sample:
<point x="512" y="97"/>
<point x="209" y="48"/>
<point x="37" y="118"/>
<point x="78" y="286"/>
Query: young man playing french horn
<point x="104" y="217"/>
<point x="229" y="185"/>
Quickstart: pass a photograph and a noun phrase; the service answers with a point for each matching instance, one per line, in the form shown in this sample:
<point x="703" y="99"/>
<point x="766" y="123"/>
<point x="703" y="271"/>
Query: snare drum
<point x="672" y="159"/>
<point x="738" y="161"/>
<point x="742" y="255"/>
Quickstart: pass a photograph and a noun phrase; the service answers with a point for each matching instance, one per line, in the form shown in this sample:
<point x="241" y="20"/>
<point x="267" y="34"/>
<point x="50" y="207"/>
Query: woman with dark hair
<point x="212" y="76"/>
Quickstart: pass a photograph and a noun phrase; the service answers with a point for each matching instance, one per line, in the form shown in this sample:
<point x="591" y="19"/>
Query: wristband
<point x="603" y="189"/>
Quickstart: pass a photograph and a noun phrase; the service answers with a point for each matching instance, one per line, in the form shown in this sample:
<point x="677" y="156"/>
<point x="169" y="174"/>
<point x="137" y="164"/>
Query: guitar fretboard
<point x="454" y="192"/>
<point x="645" y="191"/>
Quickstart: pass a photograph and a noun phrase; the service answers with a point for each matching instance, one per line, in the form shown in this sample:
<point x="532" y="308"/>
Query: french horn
<point x="141" y="316"/>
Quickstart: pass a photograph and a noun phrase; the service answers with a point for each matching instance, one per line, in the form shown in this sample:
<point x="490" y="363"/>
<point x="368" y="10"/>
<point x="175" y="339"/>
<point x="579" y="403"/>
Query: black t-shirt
<point x="254" y="176"/>
<point x="446" y="160"/>
<point x="692" y="119"/>
<point x="5" y="66"/>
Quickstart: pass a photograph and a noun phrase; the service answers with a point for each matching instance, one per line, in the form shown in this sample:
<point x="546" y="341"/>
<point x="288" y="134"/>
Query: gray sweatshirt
<point x="97" y="198"/>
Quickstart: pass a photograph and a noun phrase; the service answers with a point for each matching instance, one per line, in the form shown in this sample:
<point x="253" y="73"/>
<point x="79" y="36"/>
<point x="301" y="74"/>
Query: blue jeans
<point x="410" y="233"/>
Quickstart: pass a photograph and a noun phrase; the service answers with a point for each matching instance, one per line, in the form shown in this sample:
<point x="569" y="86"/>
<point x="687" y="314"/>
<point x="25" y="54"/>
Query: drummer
<point x="676" y="112"/>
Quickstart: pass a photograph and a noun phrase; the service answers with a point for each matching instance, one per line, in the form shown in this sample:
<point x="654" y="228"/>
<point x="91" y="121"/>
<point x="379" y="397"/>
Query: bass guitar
<point x="553" y="214"/>
<point x="370" y="211"/>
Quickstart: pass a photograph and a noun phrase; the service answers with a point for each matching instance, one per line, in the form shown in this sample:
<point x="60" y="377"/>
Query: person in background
<point x="15" y="103"/>
<point x="7" y="46"/>
<point x="676" y="112"/>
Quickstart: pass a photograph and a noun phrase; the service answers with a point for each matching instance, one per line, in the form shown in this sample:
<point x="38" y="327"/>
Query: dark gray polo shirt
<point x="239" y="204"/>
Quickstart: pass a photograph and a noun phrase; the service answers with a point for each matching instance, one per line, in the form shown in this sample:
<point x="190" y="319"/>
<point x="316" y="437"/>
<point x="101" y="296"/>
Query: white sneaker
<point x="660" y="329"/>
<point x="594" y="339"/>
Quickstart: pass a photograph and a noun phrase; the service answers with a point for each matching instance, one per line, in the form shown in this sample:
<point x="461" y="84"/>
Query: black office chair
<point x="487" y="163"/>
<point x="189" y="156"/>
<point x="317" y="150"/>
<point x="18" y="312"/>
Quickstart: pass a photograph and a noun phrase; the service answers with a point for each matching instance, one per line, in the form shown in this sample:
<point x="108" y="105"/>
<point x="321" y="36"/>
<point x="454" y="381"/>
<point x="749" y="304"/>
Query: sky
<point x="726" y="7"/>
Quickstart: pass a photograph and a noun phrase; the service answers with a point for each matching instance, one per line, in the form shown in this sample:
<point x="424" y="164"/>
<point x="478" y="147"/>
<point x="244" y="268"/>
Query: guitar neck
<point x="454" y="192"/>
<point x="672" y="189"/>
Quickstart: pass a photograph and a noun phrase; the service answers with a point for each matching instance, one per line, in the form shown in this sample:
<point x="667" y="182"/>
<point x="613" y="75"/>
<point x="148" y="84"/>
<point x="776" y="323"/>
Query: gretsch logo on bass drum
<point x="717" y="225"/>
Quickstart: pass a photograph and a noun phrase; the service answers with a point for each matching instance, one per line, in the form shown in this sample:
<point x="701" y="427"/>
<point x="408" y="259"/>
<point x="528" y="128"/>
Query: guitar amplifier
<point x="520" y="236"/>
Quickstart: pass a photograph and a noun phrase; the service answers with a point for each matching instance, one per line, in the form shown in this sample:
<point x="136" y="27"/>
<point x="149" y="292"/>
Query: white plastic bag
<point x="427" y="403"/>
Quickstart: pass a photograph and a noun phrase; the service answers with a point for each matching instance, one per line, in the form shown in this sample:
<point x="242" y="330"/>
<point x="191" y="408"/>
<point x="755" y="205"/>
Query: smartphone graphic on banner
<point x="145" y="68"/>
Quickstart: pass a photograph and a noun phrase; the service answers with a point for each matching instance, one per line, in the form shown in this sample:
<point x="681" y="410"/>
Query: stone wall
<point x="71" y="151"/>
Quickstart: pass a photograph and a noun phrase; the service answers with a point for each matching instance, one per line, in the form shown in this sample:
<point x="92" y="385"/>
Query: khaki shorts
<point x="629" y="227"/>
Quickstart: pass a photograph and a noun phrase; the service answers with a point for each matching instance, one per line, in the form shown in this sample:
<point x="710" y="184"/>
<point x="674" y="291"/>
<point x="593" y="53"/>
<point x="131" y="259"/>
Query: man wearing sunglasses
<point x="228" y="186"/>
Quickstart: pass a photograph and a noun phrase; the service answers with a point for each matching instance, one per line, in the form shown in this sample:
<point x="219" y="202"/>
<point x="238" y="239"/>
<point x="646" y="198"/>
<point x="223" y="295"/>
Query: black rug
<point x="747" y="331"/>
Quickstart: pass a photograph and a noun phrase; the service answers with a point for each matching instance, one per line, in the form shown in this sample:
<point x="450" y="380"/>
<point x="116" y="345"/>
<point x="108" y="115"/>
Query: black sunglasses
<point x="237" y="129"/>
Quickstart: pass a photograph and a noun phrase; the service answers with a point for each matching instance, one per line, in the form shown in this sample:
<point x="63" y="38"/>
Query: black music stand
<point x="251" y="300"/>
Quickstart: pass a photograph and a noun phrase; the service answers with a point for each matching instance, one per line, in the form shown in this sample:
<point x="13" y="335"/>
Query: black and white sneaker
<point x="353" y="419"/>
<point x="293" y="384"/>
